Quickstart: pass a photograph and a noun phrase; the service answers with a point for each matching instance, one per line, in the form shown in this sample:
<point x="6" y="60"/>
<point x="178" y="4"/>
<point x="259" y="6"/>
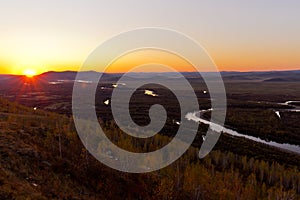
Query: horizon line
<point x="232" y="71"/>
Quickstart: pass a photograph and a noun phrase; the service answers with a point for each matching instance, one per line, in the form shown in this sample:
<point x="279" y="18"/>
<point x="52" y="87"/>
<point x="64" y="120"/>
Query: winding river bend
<point x="196" y="116"/>
<point x="287" y="103"/>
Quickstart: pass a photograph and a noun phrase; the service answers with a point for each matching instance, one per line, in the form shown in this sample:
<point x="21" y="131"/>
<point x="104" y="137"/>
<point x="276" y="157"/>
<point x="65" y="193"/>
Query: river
<point x="196" y="116"/>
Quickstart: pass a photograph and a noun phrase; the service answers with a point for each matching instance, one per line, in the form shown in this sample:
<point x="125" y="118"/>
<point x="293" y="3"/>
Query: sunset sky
<point x="44" y="35"/>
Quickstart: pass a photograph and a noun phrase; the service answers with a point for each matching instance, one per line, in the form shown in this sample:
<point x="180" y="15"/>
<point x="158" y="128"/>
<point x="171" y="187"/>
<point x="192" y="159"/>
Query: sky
<point x="239" y="35"/>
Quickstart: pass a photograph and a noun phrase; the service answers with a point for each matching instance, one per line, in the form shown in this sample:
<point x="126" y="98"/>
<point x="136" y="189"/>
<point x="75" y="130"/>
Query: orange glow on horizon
<point x="225" y="61"/>
<point x="134" y="59"/>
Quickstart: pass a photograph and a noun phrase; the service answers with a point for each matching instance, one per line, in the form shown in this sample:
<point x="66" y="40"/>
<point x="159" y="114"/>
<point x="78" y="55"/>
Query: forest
<point x="42" y="157"/>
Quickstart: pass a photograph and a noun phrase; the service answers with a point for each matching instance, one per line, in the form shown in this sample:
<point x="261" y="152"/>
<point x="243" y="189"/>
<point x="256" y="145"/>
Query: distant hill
<point x="71" y="75"/>
<point x="5" y="77"/>
<point x="287" y="79"/>
<point x="54" y="76"/>
<point x="267" y="76"/>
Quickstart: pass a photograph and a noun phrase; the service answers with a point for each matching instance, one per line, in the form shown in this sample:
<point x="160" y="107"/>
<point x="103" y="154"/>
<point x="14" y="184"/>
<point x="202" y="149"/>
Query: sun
<point x="29" y="73"/>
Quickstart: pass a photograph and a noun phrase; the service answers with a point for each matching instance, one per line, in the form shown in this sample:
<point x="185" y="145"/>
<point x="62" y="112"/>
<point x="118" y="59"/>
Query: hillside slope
<point x="41" y="157"/>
